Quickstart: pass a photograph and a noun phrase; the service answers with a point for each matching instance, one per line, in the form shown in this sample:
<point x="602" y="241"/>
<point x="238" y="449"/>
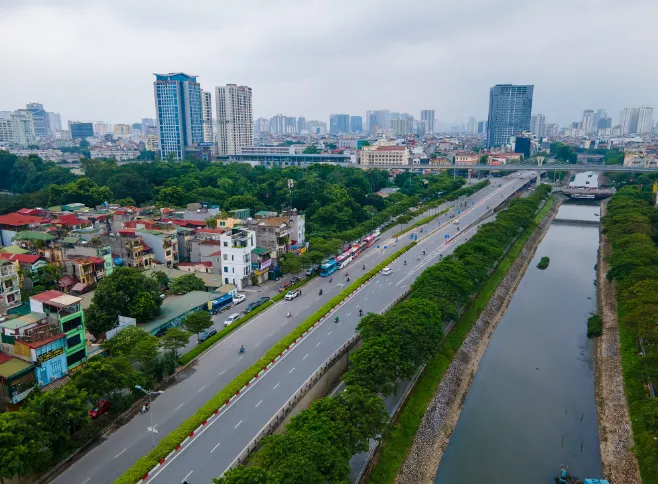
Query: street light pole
<point x="151" y="428"/>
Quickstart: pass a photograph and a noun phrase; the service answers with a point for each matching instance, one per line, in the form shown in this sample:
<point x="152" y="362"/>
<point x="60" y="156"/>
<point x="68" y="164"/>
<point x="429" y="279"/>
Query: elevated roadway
<point x="519" y="167"/>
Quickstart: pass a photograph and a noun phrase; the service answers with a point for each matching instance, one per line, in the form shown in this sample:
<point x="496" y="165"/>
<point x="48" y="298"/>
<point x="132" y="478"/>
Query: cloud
<point x="94" y="60"/>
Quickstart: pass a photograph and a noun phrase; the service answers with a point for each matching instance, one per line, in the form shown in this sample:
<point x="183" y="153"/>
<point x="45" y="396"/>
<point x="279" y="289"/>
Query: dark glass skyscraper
<point x="339" y="123"/>
<point x="179" y="112"/>
<point x="80" y="130"/>
<point x="510" y="108"/>
<point x="40" y="118"/>
<point x="356" y="124"/>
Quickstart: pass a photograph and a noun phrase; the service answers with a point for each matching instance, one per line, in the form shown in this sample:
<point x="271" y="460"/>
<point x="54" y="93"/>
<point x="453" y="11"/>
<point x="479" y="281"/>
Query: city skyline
<point x="268" y="61"/>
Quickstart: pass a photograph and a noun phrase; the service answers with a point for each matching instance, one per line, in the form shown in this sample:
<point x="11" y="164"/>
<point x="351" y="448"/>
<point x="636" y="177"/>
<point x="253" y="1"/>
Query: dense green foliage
<point x="170" y="442"/>
<point x="594" y="326"/>
<point x="564" y="152"/>
<point x="185" y="284"/>
<point x="543" y="263"/>
<point x="395" y="345"/>
<point x="631" y="224"/>
<point x="125" y="292"/>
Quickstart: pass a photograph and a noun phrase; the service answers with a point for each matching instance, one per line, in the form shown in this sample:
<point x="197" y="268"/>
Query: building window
<point x="225" y="244"/>
<point x="75" y="357"/>
<point x="57" y="367"/>
<point x="73" y="341"/>
<point x="225" y="269"/>
<point x="232" y="257"/>
<point x="226" y="280"/>
<point x="233" y="270"/>
<point x="71" y="324"/>
<point x="225" y="257"/>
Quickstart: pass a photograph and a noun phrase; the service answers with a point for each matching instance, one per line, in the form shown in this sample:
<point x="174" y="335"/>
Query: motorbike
<point x="360" y="312"/>
<point x="241" y="349"/>
<point x="145" y="408"/>
<point x="320" y="293"/>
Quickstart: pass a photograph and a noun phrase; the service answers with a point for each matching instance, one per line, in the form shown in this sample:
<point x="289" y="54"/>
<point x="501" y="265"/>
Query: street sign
<point x="458" y="212"/>
<point x="446" y="236"/>
<point x="386" y="247"/>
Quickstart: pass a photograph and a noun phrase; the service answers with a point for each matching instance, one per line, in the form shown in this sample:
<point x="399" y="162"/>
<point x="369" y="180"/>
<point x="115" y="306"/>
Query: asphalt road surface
<point x="217" y="446"/>
<point x="232" y="431"/>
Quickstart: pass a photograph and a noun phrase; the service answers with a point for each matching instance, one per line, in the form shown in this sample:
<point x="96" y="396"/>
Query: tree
<point x="211" y="223"/>
<point x="124" y="341"/>
<point x="186" y="283"/>
<point x="125" y="292"/>
<point x="174" y="339"/>
<point x="105" y="377"/>
<point x="311" y="150"/>
<point x="145" y="352"/>
<point x="291" y="264"/>
<point x="197" y="322"/>
<point x="243" y="475"/>
<point x="484" y="159"/>
<point x="24" y="445"/>
<point x="161" y="278"/>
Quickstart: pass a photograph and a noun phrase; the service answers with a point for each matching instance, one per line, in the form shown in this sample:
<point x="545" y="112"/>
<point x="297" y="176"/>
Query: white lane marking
<point x="318" y="344"/>
<point x="214" y="447"/>
<point x="349" y="314"/>
<point x="305" y="356"/>
<point x="307" y="306"/>
<point x="339" y="323"/>
<point x="204" y="386"/>
<point x="271" y="333"/>
<point x="256" y="406"/>
<point x="291" y="371"/>
<point x="118" y="455"/>
<point x="222" y="372"/>
<point x="178" y="406"/>
<point x="188" y="475"/>
<point x="328" y="333"/>
<point x="275" y="386"/>
<point x="256" y="345"/>
<point x="241" y="357"/>
<point x="365" y="299"/>
<point x="237" y="424"/>
<point x="88" y="479"/>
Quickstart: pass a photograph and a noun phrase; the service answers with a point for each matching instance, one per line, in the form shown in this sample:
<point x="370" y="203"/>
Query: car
<point x="452" y="215"/>
<point x="499" y="185"/>
<point x="292" y="294"/>
<point x="251" y="307"/>
<point x="285" y="286"/>
<point x="238" y="298"/>
<point x="263" y="300"/>
<point x="232" y="318"/>
<point x="208" y="333"/>
<point x="456" y="222"/>
<point x="296" y="279"/>
<point x="102" y="407"/>
<point x="387" y="271"/>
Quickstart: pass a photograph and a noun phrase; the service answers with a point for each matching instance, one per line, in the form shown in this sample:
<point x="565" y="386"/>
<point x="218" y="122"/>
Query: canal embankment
<point x="615" y="433"/>
<point x="442" y="413"/>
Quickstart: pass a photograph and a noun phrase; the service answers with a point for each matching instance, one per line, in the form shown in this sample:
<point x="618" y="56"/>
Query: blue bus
<point x="328" y="267"/>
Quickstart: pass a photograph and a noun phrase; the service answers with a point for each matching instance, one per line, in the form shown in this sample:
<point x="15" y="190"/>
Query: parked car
<point x="296" y="279"/>
<point x="387" y="271"/>
<point x="263" y="300"/>
<point x="251" y="306"/>
<point x="208" y="333"/>
<point x="238" y="298"/>
<point x="232" y="318"/>
<point x="285" y="286"/>
<point x="292" y="294"/>
<point x="102" y="407"/>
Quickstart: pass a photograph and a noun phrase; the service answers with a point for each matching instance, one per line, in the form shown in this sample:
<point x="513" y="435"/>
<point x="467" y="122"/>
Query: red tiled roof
<point x="211" y="231"/>
<point x="207" y="264"/>
<point x="4" y="357"/>
<point x="42" y="342"/>
<point x="18" y="219"/>
<point x="24" y="258"/>
<point x="64" y="281"/>
<point x="210" y="242"/>
<point x="69" y="219"/>
<point x="47" y="295"/>
<point x="219" y="252"/>
<point x="29" y="211"/>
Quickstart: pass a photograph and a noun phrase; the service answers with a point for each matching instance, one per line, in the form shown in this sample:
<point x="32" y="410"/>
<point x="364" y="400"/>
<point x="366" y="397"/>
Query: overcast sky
<point x="95" y="59"/>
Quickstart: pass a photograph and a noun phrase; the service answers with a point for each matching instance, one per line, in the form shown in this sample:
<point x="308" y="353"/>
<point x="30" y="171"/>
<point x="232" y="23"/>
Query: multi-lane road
<point x="214" y="449"/>
<point x="218" y="445"/>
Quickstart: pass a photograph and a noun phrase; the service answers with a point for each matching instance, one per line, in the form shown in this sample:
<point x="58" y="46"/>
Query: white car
<point x="456" y="222"/>
<point x="231" y="319"/>
<point x="387" y="271"/>
<point x="238" y="298"/>
<point x="292" y="295"/>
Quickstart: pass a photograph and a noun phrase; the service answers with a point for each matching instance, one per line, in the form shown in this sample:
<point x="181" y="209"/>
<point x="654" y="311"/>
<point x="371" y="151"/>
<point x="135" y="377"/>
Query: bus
<point x="328" y="267"/>
<point x="345" y="258"/>
<point x="371" y="239"/>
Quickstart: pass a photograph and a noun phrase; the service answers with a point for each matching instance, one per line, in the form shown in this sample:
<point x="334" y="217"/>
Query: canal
<point x="531" y="405"/>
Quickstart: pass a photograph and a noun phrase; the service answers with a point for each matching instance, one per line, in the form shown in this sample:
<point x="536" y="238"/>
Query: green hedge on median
<point x="171" y="441"/>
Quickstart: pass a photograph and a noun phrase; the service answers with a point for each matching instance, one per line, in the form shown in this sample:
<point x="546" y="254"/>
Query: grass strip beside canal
<point x="401" y="434"/>
<point x="173" y="440"/>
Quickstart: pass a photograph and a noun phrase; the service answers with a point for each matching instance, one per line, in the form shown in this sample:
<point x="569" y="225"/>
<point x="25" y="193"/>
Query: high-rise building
<point x="101" y="128"/>
<point x="55" y="121"/>
<point x="339" y="123"/>
<point x="428" y="116"/>
<point x="206" y="109"/>
<point x="600" y="114"/>
<point x="402" y="126"/>
<point x="552" y="129"/>
<point x="538" y="125"/>
<point x="17" y="127"/>
<point x="604" y="123"/>
<point x="644" y="120"/>
<point x="472" y="125"/>
<point x="262" y="125"/>
<point x="301" y="124"/>
<point x="379" y="120"/>
<point x="587" y="124"/>
<point x="628" y="120"/>
<point x="278" y="124"/>
<point x="178" y="107"/>
<point x="317" y="127"/>
<point x="234" y="118"/>
<point x="291" y="125"/>
<point x="81" y="130"/>
<point x="510" y="108"/>
<point x="356" y="124"/>
<point x="149" y="123"/>
<point x="480" y="127"/>
<point x="40" y="119"/>
<point x="121" y="130"/>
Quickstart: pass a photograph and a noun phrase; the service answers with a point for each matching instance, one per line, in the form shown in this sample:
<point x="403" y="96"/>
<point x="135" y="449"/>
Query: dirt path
<point x="615" y="432"/>
<point x="442" y="413"/>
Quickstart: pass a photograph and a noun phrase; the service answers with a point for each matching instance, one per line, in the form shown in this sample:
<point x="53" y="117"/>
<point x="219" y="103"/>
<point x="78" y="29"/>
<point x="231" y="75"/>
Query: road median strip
<point x="145" y="466"/>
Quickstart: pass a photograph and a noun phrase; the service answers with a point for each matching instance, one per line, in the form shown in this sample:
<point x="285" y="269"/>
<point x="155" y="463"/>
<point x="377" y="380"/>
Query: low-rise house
<point x="74" y="246"/>
<point x="10" y="289"/>
<point x="85" y="272"/>
<point x="12" y="223"/>
<point x="261" y="263"/>
<point x="16" y="381"/>
<point x="28" y="265"/>
<point x="277" y="234"/>
<point x="128" y="249"/>
<point x="201" y="267"/>
<point x="205" y="245"/>
<point x="463" y="158"/>
<point x="236" y="247"/>
<point x="163" y="244"/>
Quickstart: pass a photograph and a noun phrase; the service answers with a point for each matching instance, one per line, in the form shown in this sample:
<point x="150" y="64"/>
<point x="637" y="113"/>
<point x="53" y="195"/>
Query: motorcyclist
<point x="288" y="315"/>
<point x="405" y="263"/>
<point x="241" y="348"/>
<point x="331" y="279"/>
<point x="320" y="293"/>
<point x="336" y="320"/>
<point x="348" y="278"/>
<point x="360" y="312"/>
<point x="364" y="267"/>
<point x="423" y="252"/>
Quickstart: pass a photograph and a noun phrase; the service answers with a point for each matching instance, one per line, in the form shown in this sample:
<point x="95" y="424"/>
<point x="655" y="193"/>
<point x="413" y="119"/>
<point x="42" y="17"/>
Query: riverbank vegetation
<point x="543" y="263"/>
<point x="315" y="447"/>
<point x="594" y="326"/>
<point x="631" y="225"/>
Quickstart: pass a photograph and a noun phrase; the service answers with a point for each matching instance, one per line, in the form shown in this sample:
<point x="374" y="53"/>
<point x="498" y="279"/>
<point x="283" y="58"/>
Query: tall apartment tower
<point x="588" y="121"/>
<point x="235" y="122"/>
<point x="628" y="119"/>
<point x="55" y="121"/>
<point x="356" y="124"/>
<point x="427" y="115"/>
<point x="40" y="118"/>
<point x="178" y="108"/>
<point x="644" y="120"/>
<point x="538" y="125"/>
<point x="206" y="102"/>
<point x="339" y="123"/>
<point x="510" y="108"/>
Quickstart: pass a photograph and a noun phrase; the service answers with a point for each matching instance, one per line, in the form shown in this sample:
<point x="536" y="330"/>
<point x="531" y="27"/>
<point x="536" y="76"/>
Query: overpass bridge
<point x="544" y="167"/>
<point x="575" y="192"/>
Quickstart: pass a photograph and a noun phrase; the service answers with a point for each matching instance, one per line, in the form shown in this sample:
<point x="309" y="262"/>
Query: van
<point x="231" y="319"/>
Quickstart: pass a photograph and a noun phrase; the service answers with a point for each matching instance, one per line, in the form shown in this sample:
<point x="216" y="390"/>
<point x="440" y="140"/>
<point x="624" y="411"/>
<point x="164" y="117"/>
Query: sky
<point x="94" y="59"/>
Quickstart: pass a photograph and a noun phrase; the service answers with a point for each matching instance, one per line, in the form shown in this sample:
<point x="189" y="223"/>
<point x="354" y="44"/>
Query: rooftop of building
<point x="13" y="249"/>
<point x="56" y="298"/>
<point x="22" y="258"/>
<point x="21" y="322"/>
<point x="156" y="233"/>
<point x="175" y="306"/>
<point x="34" y="235"/>
<point x="42" y="342"/>
<point x="11" y="366"/>
<point x="18" y="219"/>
